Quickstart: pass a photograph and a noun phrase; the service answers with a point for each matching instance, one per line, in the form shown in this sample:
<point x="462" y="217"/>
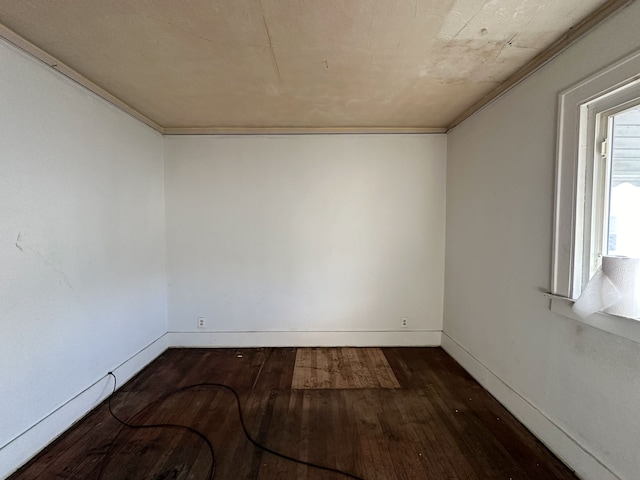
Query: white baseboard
<point x="26" y="445"/>
<point x="567" y="448"/>
<point x="403" y="338"/>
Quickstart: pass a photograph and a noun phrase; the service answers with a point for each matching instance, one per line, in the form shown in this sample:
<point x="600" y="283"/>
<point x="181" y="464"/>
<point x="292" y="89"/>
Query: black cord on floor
<point x="212" y="469"/>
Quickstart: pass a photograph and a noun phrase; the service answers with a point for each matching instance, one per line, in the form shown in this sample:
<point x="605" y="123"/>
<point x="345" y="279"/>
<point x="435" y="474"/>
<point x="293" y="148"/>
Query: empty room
<point x="320" y="239"/>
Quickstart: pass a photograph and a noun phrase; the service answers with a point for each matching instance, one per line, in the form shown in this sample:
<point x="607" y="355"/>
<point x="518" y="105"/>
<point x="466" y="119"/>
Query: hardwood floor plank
<point x="380" y="465"/>
<point x="323" y="373"/>
<point x="305" y="435"/>
<point x="235" y="454"/>
<point x="346" y="375"/>
<point x="360" y="369"/>
<point x="385" y="376"/>
<point x="277" y="371"/>
<point x="336" y="368"/>
<point x="280" y="438"/>
<point x="302" y="371"/>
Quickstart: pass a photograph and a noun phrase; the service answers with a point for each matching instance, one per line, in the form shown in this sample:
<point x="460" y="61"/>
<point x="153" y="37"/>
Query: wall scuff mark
<point x="62" y="277"/>
<point x="18" y="242"/>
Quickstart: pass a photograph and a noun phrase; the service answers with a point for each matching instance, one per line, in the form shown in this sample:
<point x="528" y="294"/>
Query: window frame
<point x="569" y="224"/>
<point x="580" y="110"/>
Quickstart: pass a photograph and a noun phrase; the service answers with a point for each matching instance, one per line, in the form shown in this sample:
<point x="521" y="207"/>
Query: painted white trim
<point x="29" y="443"/>
<point x="585" y="464"/>
<point x="396" y="338"/>
<point x="628" y="328"/>
<point x="301" y="130"/>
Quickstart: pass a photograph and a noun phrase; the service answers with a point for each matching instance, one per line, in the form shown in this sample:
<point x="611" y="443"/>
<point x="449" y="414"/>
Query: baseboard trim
<point x="405" y="338"/>
<point x="585" y="464"/>
<point x="29" y="443"/>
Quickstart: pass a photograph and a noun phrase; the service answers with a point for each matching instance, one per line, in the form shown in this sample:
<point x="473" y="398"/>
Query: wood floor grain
<point x="381" y="414"/>
<point x="317" y="368"/>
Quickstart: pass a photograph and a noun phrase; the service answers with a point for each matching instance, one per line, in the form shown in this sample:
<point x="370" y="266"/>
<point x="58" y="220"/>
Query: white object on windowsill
<point x="614" y="289"/>
<point x="628" y="328"/>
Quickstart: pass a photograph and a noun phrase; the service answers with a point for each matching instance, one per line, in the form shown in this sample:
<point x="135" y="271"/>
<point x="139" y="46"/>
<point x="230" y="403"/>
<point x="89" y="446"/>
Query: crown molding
<point x="35" y="51"/>
<point x="299" y="130"/>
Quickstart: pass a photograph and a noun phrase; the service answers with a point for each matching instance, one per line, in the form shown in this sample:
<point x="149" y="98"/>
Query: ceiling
<point x="296" y="63"/>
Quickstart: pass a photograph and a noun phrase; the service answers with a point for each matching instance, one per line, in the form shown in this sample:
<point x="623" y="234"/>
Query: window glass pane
<point x="624" y="198"/>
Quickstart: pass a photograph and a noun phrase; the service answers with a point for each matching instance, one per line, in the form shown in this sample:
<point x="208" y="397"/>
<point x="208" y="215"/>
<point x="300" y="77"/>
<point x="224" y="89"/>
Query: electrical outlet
<point x="404" y="322"/>
<point x="201" y="322"/>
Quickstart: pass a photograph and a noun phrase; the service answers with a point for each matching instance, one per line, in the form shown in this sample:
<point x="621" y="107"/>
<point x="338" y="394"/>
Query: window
<point x="611" y="163"/>
<point x="622" y="194"/>
<point x="597" y="209"/>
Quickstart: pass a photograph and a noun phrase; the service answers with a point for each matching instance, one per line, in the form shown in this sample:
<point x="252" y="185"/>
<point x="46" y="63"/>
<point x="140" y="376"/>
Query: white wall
<point x="577" y="387"/>
<point x="82" y="282"/>
<point x="338" y="235"/>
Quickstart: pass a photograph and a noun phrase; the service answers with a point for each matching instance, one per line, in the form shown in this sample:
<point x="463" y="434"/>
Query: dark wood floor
<point x="391" y="413"/>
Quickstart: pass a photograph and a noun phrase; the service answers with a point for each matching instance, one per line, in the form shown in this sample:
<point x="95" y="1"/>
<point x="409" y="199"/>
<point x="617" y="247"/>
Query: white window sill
<point x="623" y="327"/>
